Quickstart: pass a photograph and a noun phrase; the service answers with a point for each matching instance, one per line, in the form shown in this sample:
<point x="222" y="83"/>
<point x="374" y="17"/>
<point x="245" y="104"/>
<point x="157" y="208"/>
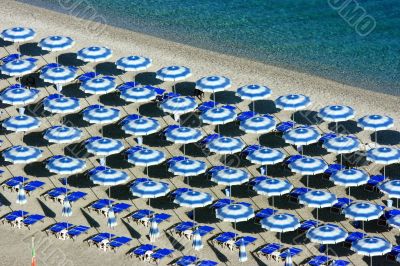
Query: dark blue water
<point x="305" y="35"/>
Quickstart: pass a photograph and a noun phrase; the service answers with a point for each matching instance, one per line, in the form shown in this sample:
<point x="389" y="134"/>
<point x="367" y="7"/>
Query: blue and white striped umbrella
<point x="258" y="125"/>
<point x="188" y="167"/>
<point x="136" y="94"/>
<point x="18" y="34"/>
<point x="336" y="113"/>
<point x="104" y="146"/>
<point x="154" y="231"/>
<point x="173" y="73"/>
<point x="61" y="105"/>
<point x="149" y="189"/>
<point x="391" y="188"/>
<point x="302" y="136"/>
<point x="327" y="234"/>
<point x="375" y="122"/>
<point x="22" y="154"/>
<point x="362" y="211"/>
<point x="18" y="95"/>
<point x="56" y="43"/>
<point x="394" y="221"/>
<point x="213" y="84"/>
<point x="98" y="85"/>
<point x="254" y="92"/>
<point x="384" y="155"/>
<point x="266" y="156"/>
<point x="280" y="222"/>
<point x="225" y="145"/>
<point x="218" y="116"/>
<point x="58" y="75"/>
<point x="21" y="123"/>
<point x="133" y="63"/>
<point x="230" y="176"/>
<point x="242" y="252"/>
<point x="21" y="196"/>
<point x="109" y="177"/>
<point x="179" y="105"/>
<point x="111" y="219"/>
<point x="183" y="135"/>
<point x="371" y="246"/>
<point x="308" y="166"/>
<point x="146" y="157"/>
<point x="94" y="54"/>
<point x="197" y="244"/>
<point x="292" y="102"/>
<point x="235" y="212"/>
<point x="141" y="127"/>
<point x="342" y="144"/>
<point x="273" y="187"/>
<point x="62" y="134"/>
<point x="101" y="115"/>
<point x="18" y="67"/>
<point x="65" y="165"/>
<point x="288" y="260"/>
<point x="193" y="199"/>
<point x="67" y="209"/>
<point x="318" y="199"/>
<point x="350" y="177"/>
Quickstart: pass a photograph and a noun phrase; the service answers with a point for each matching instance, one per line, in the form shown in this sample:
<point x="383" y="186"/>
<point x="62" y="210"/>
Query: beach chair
<point x="373" y="182"/>
<point x="205" y="106"/>
<point x="202" y="230"/>
<point x="333" y="168"/>
<point x="318" y="261"/>
<point x="31" y="186"/>
<point x="245" y="115"/>
<point x="10" y="57"/>
<point x="339" y="263"/>
<point x="86" y="76"/>
<point x="354" y="236"/>
<point x="382" y="221"/>
<point x="340" y="205"/>
<point x="326" y="136"/>
<point x="223" y="238"/>
<point x="215" y="169"/>
<point x="166" y="96"/>
<point x="296" y="193"/>
<point x="186" y="261"/>
<point x="293" y="251"/>
<point x="118" y="242"/>
<point x="175" y="159"/>
<point x="56" y="193"/>
<point x="96" y="170"/>
<point x="249" y="149"/>
<point x="129" y="118"/>
<point x="76" y="231"/>
<point x="254" y="181"/>
<point x="142" y="250"/>
<point x="245" y="240"/>
<point x="99" y="238"/>
<point x="100" y="204"/>
<point x="58" y="228"/>
<point x="139" y="180"/>
<point x="221" y="203"/>
<point x="158" y="91"/>
<point x="160" y="254"/>
<point x="264" y="213"/>
<point x="32" y="219"/>
<point x="207" y="139"/>
<point x="13" y="183"/>
<point x="307" y="224"/>
<point x="393" y="254"/>
<point x="161" y="217"/>
<point x="168" y="129"/>
<point x="292" y="158"/>
<point x="207" y="263"/>
<point x="183" y="227"/>
<point x="140" y="216"/>
<point x="14" y="216"/>
<point x="173" y="194"/>
<point x="75" y="196"/>
<point x="285" y="126"/>
<point x="244" y="203"/>
<point x="121" y="207"/>
<point x="127" y="85"/>
<point x="269" y="251"/>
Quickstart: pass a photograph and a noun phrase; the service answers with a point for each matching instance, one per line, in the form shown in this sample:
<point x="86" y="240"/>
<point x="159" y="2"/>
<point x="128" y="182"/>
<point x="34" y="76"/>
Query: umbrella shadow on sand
<point x="272" y="140"/>
<point x="263" y="107"/>
<point x="70" y="59"/>
<point x="35" y="139"/>
<point x="4" y="201"/>
<point x="307" y="117"/>
<point x="199" y="181"/>
<point x="32" y="49"/>
<point x="131" y="230"/>
<point x="220" y="256"/>
<point x="162" y="203"/>
<point x="46" y="210"/>
<point x="226" y="97"/>
<point x="185" y="88"/>
<point x="108" y="68"/>
<point x="114" y="131"/>
<point x="151" y="110"/>
<point x="120" y="192"/>
<point x="90" y="220"/>
<point x="37" y="169"/>
<point x="387" y="137"/>
<point x="72" y="90"/>
<point x="345" y="127"/>
<point x="80" y="181"/>
<point x="249" y="227"/>
<point x="148" y="78"/>
<point x="230" y="130"/>
<point x="118" y="161"/>
<point x="112" y="99"/>
<point x="392" y="171"/>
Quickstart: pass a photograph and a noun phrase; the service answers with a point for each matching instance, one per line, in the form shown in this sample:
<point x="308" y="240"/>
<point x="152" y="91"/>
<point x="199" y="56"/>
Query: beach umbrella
<point x="375" y="123"/>
<point x="218" y="116"/>
<point x="326" y="235"/>
<point x="282" y="222"/>
<point x="18" y="95"/>
<point x="179" y="105"/>
<point x="350" y="178"/>
<point x="146" y="157"/>
<point x="225" y="145"/>
<point x="173" y="73"/>
<point x="288" y="260"/>
<point x="235" y="212"/>
<point x="109" y="177"/>
<point x="58" y="75"/>
<point x="336" y="113"/>
<point x="197" y="244"/>
<point x="62" y="134"/>
<point x="193" y="199"/>
<point x="58" y="104"/>
<point x="141" y="127"/>
<point x="56" y="43"/>
<point x="188" y="167"/>
<point x="21" y="196"/>
<point x="384" y="155"/>
<point x="318" y="199"/>
<point x="308" y="166"/>
<point x="104" y="146"/>
<point x="98" y="114"/>
<point x="272" y="187"/>
<point x="266" y="156"/>
<point x="67" y="209"/>
<point x="363" y="211"/>
<point x="154" y="231"/>
<point x="133" y="63"/>
<point x="394" y="221"/>
<point x="230" y="177"/>
<point x="132" y="93"/>
<point x="258" y="125"/>
<point x="98" y="85"/>
<point x="242" y="252"/>
<point x="184" y="135"/>
<point x="391" y="188"/>
<point x="18" y="34"/>
<point x="253" y="93"/>
<point x="371" y="246"/>
<point x="301" y="136"/>
<point x="19" y="67"/>
<point x="213" y="84"/>
<point x="21" y="123"/>
<point x="342" y="144"/>
<point x="149" y="189"/>
<point x="94" y="54"/>
<point x="22" y="154"/>
<point x="111" y="219"/>
<point x="292" y="102"/>
<point x="65" y="165"/>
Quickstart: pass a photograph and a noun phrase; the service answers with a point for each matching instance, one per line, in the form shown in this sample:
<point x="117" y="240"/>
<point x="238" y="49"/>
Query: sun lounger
<point x="339" y="263"/>
<point x="382" y="221"/>
<point x="326" y="136"/>
<point x="374" y="181"/>
<point x="245" y="115"/>
<point x="76" y="195"/>
<point x="32" y="219"/>
<point x="87" y="76"/>
<point x="205" y="106"/>
<point x="15" y="215"/>
<point x="142" y="250"/>
<point x="271" y="250"/>
<point x="221" y="203"/>
<point x="215" y="169"/>
<point x="120" y="207"/>
<point x="245" y="240"/>
<point x="285" y="126"/>
<point x="100" y="204"/>
<point x="175" y="159"/>
<point x="392" y="255"/>
<point x="254" y="181"/>
<point x="33" y="185"/>
<point x="340" y="205"/>
<point x="202" y="230"/>
<point x="173" y="194"/>
<point x="207" y="139"/>
<point x="207" y="263"/>
<point x="354" y="236"/>
<point x="307" y="224"/>
<point x="100" y="238"/>
<point x="318" y="261"/>
<point x="244" y="203"/>
<point x="59" y="228"/>
<point x="127" y="85"/>
<point x="224" y="237"/>
<point x="13" y="183"/>
<point x="264" y="213"/>
<point x="167" y="96"/>
<point x="186" y="261"/>
<point x="297" y="192"/>
<point x="293" y="252"/>
<point x="169" y="128"/>
<point x="183" y="227"/>
<point x="249" y="149"/>
<point x="119" y="242"/>
<point x="292" y="158"/>
<point x="161" y="217"/>
<point x="158" y="91"/>
<point x="97" y="169"/>
<point x="333" y="168"/>
<point x="141" y="216"/>
<point x="76" y="231"/>
<point x="57" y="192"/>
<point x="128" y="118"/>
<point x="160" y="254"/>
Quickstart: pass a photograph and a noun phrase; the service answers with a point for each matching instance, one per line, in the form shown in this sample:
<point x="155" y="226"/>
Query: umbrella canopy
<point x="350" y="177"/>
<point x="94" y="54"/>
<point x="266" y="156"/>
<point x="179" y="105"/>
<point x="141" y="127"/>
<point x="193" y="199"/>
<point x="242" y="252"/>
<point x="21" y="123"/>
<point x="384" y="155"/>
<point x="22" y="154"/>
<point x="135" y="94"/>
<point x="18" y="95"/>
<point x="391" y="188"/>
<point x="213" y="84"/>
<point x="149" y="189"/>
<point x="197" y="243"/>
<point x="225" y="145"/>
<point x="67" y="209"/>
<point x="288" y="260"/>
<point x="301" y="136"/>
<point x="394" y="221"/>
<point x="375" y="122"/>
<point x="100" y="115"/>
<point x="146" y="157"/>
<point x="336" y="113"/>
<point x="133" y="63"/>
<point x="363" y="211"/>
<point x="235" y="212"/>
<point x="173" y="73"/>
<point x="371" y="246"/>
<point x="258" y="125"/>
<point x="65" y="165"/>
<point x="308" y="166"/>
<point x="218" y="116"/>
<point x="98" y="85"/>
<point x="154" y="231"/>
<point x="188" y="167"/>
<point x="111" y="219"/>
<point x="61" y="134"/>
<point x="318" y="199"/>
<point x="342" y="144"/>
<point x="59" y="74"/>
<point x="327" y="234"/>
<point x="253" y="92"/>
<point x="109" y="177"/>
<point x="292" y="102"/>
<point x="59" y="104"/>
<point x="19" y="67"/>
<point x="273" y="187"/>
<point x="230" y="176"/>
<point x="18" y="34"/>
<point x="184" y="135"/>
<point x="21" y="196"/>
<point x="104" y="146"/>
<point x="282" y="222"/>
<point x="56" y="43"/>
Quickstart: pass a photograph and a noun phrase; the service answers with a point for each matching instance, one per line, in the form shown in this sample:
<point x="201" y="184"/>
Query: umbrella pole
<point x="349" y="191"/>
<point x="254" y="106"/>
<point x="230" y="191"/>
<point x="337" y="127"/>
<point x="184" y="149"/>
<point x="194" y="215"/>
<point x="307" y="180"/>
<point x="376" y="138"/>
<point x="317" y="216"/>
<point x="341" y="160"/>
<point x="273" y="202"/>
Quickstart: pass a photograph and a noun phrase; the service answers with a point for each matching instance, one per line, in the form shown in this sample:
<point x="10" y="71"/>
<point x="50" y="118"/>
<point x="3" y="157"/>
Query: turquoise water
<point x="305" y="35"/>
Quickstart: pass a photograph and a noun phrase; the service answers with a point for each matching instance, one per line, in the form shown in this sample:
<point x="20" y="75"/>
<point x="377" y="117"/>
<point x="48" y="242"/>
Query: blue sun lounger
<point x="221" y="203"/>
<point x="158" y="91"/>
<point x="207" y="139"/>
<point x="297" y="192"/>
<point x="56" y="192"/>
<point x="33" y="185"/>
<point x="245" y="240"/>
<point x="97" y="169"/>
<point x="58" y="227"/>
<point x="76" y="195"/>
<point x="175" y="159"/>
<point x="161" y="217"/>
<point x="340" y="205"/>
<point x="13" y="183"/>
<point x="205" y="106"/>
<point x="76" y="231"/>
<point x="183" y="226"/>
<point x="374" y="181"/>
<point x="270" y="250"/>
<point x="224" y="237"/>
<point x="120" y="207"/>
<point x="354" y="236"/>
<point x="254" y="181"/>
<point x="32" y="219"/>
<point x="207" y="263"/>
<point x="392" y="255"/>
<point x="318" y="260"/>
<point x="12" y="216"/>
<point x="119" y="242"/>
<point x="140" y="215"/>
<point x="203" y="230"/>
<point x="249" y="149"/>
<point x="97" y="239"/>
<point x="264" y="213"/>
<point x="285" y="126"/>
<point x="333" y="168"/>
<point x="160" y="254"/>
<point x="215" y="169"/>
<point x="292" y="250"/>
<point x="326" y="136"/>
<point x="292" y="158"/>
<point x="141" y="250"/>
<point x="245" y="115"/>
<point x="339" y="263"/>
<point x="307" y="224"/>
<point x="387" y="215"/>
<point x="186" y="261"/>
<point x="173" y="194"/>
<point x="100" y="204"/>
<point x="129" y="118"/>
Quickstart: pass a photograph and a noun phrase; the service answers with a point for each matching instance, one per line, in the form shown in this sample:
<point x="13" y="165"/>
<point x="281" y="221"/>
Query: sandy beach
<point x="15" y="243"/>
